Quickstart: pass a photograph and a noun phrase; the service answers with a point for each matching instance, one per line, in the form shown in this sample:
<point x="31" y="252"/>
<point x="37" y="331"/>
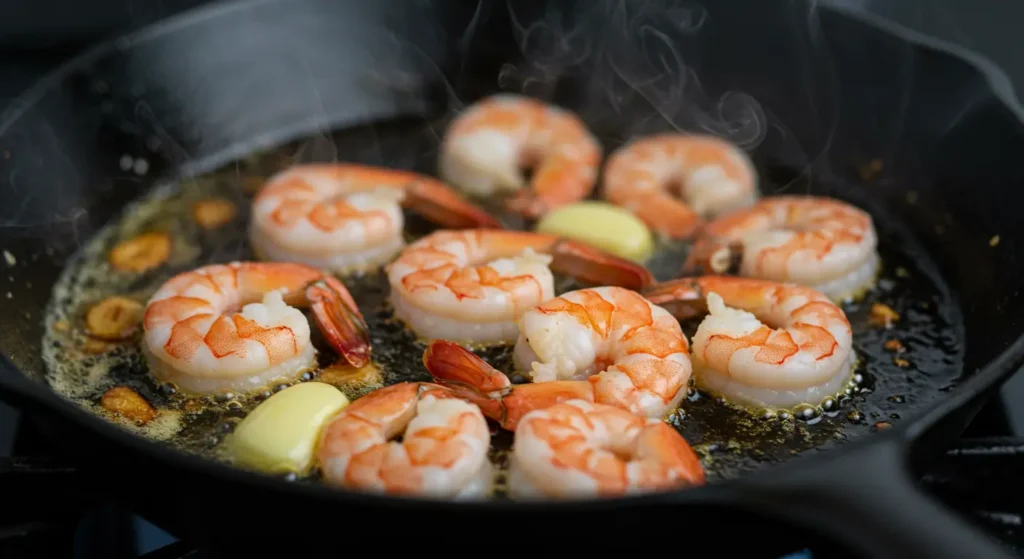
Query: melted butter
<point x="729" y="440"/>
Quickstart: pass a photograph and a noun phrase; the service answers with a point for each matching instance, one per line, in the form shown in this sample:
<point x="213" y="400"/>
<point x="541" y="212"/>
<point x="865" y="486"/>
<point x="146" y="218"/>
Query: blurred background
<point x="37" y="35"/>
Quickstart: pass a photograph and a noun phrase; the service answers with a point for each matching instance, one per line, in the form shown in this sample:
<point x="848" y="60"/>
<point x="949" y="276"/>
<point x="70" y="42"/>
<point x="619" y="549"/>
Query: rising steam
<point x="632" y="62"/>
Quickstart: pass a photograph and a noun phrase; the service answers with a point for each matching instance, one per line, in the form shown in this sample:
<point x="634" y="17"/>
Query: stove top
<point x="978" y="476"/>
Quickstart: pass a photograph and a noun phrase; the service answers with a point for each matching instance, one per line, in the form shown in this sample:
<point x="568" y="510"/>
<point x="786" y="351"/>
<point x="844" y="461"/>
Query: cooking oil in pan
<point x="902" y="366"/>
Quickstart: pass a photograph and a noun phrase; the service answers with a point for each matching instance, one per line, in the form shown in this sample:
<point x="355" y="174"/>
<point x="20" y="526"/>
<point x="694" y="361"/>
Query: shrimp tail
<point x="440" y="204"/>
<point x="589" y="264"/>
<point x="712" y="256"/>
<point x="472" y="379"/>
<point x="682" y="297"/>
<point x="451" y="364"/>
<point x="340" y="320"/>
<point x="526" y="203"/>
<point x="467" y="376"/>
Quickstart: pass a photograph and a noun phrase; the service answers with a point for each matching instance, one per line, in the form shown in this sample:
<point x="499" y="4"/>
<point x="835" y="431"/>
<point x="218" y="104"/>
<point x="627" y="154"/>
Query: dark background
<point x="36" y="35"/>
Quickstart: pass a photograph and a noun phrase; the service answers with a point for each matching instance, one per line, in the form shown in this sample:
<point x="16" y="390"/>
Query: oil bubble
<point x="806" y="412"/>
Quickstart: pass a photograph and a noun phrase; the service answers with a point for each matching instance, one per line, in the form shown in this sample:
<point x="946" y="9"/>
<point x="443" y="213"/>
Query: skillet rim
<point x="905" y="432"/>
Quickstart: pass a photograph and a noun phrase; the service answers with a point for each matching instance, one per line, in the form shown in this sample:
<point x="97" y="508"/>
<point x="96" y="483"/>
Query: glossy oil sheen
<point x="730" y="440"/>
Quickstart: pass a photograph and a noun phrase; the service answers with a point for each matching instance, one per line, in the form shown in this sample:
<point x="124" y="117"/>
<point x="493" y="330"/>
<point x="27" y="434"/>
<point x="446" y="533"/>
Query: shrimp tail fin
<point x="589" y="264"/>
<point x="682" y="297"/>
<point x="711" y="256"/>
<point x="440" y="204"/>
<point x="449" y="363"/>
<point x="466" y="375"/>
<point x="339" y="319"/>
<point x="528" y="204"/>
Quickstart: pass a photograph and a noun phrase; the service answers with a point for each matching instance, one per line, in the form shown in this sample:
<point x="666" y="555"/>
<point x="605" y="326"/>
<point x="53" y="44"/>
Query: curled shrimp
<point x="345" y="217"/>
<point x="580" y="449"/>
<point x="443" y="451"/>
<point x="488" y="146"/>
<point x="762" y="343"/>
<point x="471" y="285"/>
<point x="822" y="243"/>
<point x="607" y="345"/>
<point x="648" y="177"/>
<point x="196" y="337"/>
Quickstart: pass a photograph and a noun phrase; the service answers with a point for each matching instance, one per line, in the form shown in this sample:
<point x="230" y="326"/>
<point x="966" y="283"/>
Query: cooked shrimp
<point x="196" y="338"/>
<point x="579" y="449"/>
<point x="472" y="285"/>
<point x="765" y="344"/>
<point x="443" y="452"/>
<point x="822" y="243"/>
<point x="344" y="217"/>
<point x="606" y="344"/>
<point x="712" y="176"/>
<point x="489" y="145"/>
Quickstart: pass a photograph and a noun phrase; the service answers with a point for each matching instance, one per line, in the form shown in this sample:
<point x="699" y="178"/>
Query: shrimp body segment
<point x="607" y="345"/>
<point x="763" y="344"/>
<point x="633" y="352"/>
<point x="443" y="452"/>
<point x="348" y="217"/>
<point x="578" y="449"/>
<point x="197" y="338"/>
<point x="489" y="145"/>
<point x="712" y="178"/>
<point x="471" y="285"/>
<point x="822" y="243"/>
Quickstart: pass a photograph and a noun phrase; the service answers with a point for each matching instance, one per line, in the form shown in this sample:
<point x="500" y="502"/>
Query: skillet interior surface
<point x="112" y="105"/>
<point x="891" y="381"/>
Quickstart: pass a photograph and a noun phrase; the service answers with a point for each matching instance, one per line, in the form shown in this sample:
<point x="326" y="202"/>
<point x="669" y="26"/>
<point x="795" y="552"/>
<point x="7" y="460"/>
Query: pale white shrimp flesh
<point x="345" y="217"/>
<point x="472" y="285"/>
<point x="825" y="244"/>
<point x="488" y="146"/>
<point x="443" y="452"/>
<point x="763" y="344"/>
<point x="232" y="327"/>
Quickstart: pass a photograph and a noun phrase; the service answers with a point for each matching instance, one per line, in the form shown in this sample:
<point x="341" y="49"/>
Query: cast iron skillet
<point x="836" y="90"/>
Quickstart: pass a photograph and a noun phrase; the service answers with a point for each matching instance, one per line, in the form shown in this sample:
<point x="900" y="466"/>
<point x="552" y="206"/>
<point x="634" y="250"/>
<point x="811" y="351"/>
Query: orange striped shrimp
<point x="712" y="176"/>
<point x="764" y="344"/>
<point x="822" y="243"/>
<point x="471" y="285"/>
<point x="345" y="217"/>
<point x="443" y="451"/>
<point x="488" y="145"/>
<point x="607" y="345"/>
<point x="196" y="338"/>
<point x="579" y="449"/>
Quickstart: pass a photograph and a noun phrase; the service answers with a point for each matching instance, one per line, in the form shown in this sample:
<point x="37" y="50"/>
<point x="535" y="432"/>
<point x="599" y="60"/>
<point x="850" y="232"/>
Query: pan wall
<point x="808" y="91"/>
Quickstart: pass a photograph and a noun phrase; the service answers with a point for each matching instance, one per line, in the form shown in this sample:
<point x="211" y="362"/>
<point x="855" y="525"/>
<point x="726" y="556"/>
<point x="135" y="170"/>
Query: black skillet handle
<point x="869" y="501"/>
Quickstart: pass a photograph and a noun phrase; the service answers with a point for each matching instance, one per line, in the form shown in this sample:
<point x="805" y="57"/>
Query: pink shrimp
<point x="487" y="147"/>
<point x="606" y="345"/>
<point x="712" y="176"/>
<point x="196" y="338"/>
<point x="764" y="344"/>
<point x="822" y="243"/>
<point x="443" y="452"/>
<point x="346" y="217"/>
<point x="581" y="449"/>
<point x="471" y="285"/>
